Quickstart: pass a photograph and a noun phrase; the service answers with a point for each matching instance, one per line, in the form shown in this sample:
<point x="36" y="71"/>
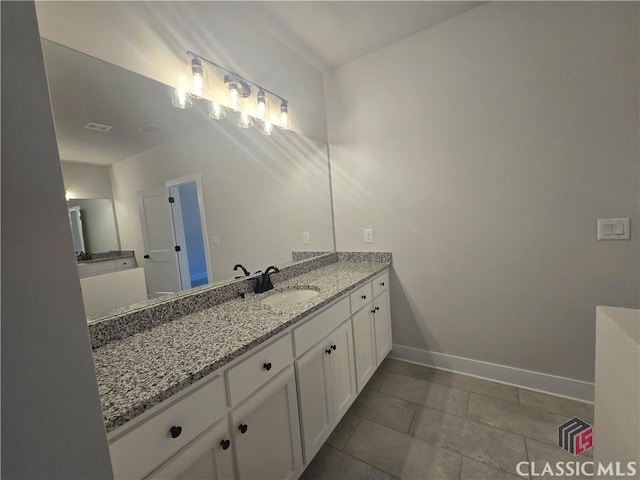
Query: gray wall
<point x="481" y="152"/>
<point x="51" y="417"/>
<point x="86" y="181"/>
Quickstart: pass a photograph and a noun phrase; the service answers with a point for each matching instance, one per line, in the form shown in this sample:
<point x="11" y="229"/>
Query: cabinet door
<point x="209" y="456"/>
<point x="364" y="346"/>
<point x="314" y="395"/>
<point x="343" y="372"/>
<point x="266" y="431"/>
<point x="382" y="321"/>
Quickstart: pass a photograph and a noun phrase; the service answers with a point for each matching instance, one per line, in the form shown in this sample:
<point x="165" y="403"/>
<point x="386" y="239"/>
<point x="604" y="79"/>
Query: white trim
<point x="197" y="178"/>
<point x="542" y="382"/>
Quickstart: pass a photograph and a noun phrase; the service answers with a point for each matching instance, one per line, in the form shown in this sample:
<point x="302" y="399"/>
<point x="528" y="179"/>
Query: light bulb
<point x="262" y="104"/>
<point x="267" y="128"/>
<point x="233" y="97"/>
<point x="245" y="120"/>
<point x="217" y="111"/>
<point x="180" y="99"/>
<point x="284" y="114"/>
<point x="197" y="76"/>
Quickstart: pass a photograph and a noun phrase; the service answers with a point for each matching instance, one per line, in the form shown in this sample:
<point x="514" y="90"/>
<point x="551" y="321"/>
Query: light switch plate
<point x="613" y="229"/>
<point x="368" y="235"/>
<point x="306" y="238"/>
<point x="215" y="240"/>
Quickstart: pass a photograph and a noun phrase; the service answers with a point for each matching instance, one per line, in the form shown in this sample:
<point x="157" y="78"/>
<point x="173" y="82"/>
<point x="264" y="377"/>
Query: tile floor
<point x="413" y="422"/>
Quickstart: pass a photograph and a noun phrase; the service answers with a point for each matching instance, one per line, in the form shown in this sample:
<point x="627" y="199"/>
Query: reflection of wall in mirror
<point x="260" y="193"/>
<point x="98" y="224"/>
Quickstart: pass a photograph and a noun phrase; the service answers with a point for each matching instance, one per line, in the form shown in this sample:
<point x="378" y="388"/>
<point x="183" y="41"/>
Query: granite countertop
<point x="140" y="371"/>
<point x="108" y="256"/>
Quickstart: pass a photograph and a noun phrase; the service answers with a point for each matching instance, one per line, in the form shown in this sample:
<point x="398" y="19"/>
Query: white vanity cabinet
<point x="326" y="386"/>
<point x="266" y="431"/>
<point x="371" y="327"/>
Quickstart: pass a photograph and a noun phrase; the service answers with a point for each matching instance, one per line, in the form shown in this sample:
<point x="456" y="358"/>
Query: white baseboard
<point x="542" y="382"/>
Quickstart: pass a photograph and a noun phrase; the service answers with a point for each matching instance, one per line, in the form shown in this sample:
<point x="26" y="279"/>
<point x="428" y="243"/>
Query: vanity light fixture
<point x="239" y="89"/>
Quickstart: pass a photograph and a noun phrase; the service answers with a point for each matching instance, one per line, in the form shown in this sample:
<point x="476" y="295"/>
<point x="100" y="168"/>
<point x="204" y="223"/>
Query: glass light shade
<point x="180" y="99"/>
<point x="262" y="108"/>
<point x="217" y="111"/>
<point x="235" y="97"/>
<point x="198" y="79"/>
<point x="284" y="115"/>
<point x="266" y="128"/>
<point x="245" y="120"/>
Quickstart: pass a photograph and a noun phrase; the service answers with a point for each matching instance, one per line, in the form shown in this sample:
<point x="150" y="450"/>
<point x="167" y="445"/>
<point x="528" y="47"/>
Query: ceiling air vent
<point x="149" y="128"/>
<point x="100" y="127"/>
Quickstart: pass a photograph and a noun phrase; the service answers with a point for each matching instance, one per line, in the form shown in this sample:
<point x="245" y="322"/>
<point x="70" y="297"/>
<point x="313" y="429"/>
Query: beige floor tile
<point x="341" y="434"/>
<point x="384" y="409"/>
<point x="557" y="405"/>
<point x="527" y="421"/>
<point x="540" y="453"/>
<point x="331" y="464"/>
<point x="474" y="470"/>
<point x="378" y="378"/>
<point x="489" y="445"/>
<point x="453" y="380"/>
<point x="400" y="455"/>
<point x="426" y="393"/>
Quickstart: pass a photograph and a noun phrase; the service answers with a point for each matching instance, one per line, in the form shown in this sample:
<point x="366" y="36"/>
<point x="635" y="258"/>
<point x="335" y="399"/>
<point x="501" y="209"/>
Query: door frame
<point x="179" y="229"/>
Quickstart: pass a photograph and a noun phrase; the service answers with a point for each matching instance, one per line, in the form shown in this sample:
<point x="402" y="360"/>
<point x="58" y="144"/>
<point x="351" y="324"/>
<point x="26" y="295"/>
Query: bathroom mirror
<point x="93" y="225"/>
<point x="256" y="199"/>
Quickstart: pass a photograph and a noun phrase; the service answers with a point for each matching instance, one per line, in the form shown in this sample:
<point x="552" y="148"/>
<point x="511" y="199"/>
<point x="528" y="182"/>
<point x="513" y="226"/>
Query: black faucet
<point x="263" y="282"/>
<point x="246" y="272"/>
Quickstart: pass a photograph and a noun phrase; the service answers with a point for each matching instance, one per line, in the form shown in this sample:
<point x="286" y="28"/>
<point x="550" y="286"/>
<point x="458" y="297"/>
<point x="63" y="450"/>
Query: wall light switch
<point x="215" y="240"/>
<point x="306" y="238"/>
<point x="368" y="235"/>
<point x="613" y="229"/>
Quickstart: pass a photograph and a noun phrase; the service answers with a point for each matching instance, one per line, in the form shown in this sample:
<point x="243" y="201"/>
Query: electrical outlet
<point x="368" y="235"/>
<point x="306" y="238"/>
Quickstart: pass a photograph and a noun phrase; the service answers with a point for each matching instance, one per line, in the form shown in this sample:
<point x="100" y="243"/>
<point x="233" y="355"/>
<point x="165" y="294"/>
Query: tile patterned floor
<point x="413" y="422"/>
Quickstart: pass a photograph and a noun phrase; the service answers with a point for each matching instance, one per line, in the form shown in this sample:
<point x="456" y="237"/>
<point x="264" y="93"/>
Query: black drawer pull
<point x="175" y="431"/>
<point x="364" y="297"/>
<point x="147" y="256"/>
<point x="377" y="309"/>
<point x="328" y="351"/>
<point x="225" y="444"/>
<point x="373" y="310"/>
<point x="333" y="347"/>
<point x="382" y="284"/>
<point x="267" y="366"/>
<point x="243" y="428"/>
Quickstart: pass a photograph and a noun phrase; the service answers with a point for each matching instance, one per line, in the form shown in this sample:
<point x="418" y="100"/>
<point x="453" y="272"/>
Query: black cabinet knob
<point x="364" y="297"/>
<point x="225" y="444"/>
<point x="382" y="284"/>
<point x="373" y="310"/>
<point x="333" y="347"/>
<point x="328" y="351"/>
<point x="243" y="428"/>
<point x="146" y="256"/>
<point x="377" y="309"/>
<point x="267" y="366"/>
<point x="175" y="431"/>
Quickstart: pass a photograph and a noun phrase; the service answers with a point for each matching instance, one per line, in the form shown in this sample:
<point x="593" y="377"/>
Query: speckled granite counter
<point x="142" y="370"/>
<point x="108" y="256"/>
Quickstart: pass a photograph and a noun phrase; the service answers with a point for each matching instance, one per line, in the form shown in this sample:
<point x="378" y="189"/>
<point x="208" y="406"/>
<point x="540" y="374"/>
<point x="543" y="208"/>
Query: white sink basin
<point x="289" y="297"/>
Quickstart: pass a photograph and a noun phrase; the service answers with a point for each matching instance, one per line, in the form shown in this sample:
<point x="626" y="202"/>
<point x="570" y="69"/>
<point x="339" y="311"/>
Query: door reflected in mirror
<point x="238" y="196"/>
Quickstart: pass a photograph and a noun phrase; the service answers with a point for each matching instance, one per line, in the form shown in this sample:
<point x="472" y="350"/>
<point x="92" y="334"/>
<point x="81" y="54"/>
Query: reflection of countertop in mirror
<point x="142" y="370"/>
<point x="108" y="256"/>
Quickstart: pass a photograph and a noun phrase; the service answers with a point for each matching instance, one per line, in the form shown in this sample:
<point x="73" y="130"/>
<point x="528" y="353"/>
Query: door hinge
<point x="177" y="248"/>
<point x="172" y="200"/>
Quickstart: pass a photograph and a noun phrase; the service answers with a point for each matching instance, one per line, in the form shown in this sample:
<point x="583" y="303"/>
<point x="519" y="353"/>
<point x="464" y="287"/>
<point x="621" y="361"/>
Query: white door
<point x="160" y="257"/>
<point x="266" y="431"/>
<point x="364" y="345"/>
<point x="314" y="395"/>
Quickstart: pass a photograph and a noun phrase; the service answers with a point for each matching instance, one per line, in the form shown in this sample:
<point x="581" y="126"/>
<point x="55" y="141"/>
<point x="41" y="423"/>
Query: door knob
<point x="225" y="444"/>
<point x="243" y="428"/>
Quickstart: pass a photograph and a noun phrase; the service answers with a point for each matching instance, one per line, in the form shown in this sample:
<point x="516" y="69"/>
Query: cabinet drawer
<point x="307" y="335"/>
<point x="124" y="263"/>
<point x="380" y="283"/>
<point x="139" y="451"/>
<point x="361" y="297"/>
<point x="249" y="375"/>
<point x="100" y="267"/>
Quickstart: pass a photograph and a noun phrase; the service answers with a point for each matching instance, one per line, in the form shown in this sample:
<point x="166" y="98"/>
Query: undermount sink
<point x="289" y="297"/>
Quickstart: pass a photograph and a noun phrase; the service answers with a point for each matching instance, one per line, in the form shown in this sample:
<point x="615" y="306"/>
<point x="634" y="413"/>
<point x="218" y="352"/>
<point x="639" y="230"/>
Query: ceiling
<point x="330" y="34"/>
